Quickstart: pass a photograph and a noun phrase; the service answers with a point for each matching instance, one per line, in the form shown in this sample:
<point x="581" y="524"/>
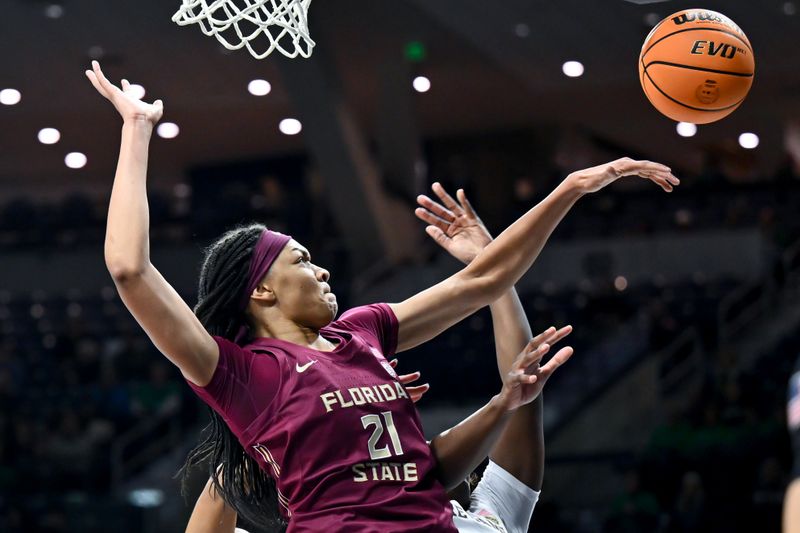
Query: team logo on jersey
<point x="384" y="363"/>
<point x="302" y="368"/>
<point x="793" y="407"/>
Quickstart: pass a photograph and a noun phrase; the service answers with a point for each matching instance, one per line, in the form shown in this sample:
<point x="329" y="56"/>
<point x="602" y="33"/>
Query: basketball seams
<point x="716" y="110"/>
<point x="704" y="69"/>
<point x="645" y="52"/>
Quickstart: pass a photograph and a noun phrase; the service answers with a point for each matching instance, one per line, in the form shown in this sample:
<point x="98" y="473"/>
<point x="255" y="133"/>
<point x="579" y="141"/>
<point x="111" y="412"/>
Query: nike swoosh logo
<point x="302" y="368"/>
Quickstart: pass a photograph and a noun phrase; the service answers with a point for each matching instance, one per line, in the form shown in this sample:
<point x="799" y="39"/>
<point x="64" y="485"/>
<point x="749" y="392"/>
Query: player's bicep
<point x="170" y="324"/>
<point x="428" y="313"/>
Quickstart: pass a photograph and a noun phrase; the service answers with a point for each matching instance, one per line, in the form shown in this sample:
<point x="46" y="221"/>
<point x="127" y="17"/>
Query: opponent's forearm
<point x="512" y="253"/>
<point x="525" y="428"/>
<point x="127" y="246"/>
<point x="511" y="329"/>
<point x="791" y="508"/>
<point x="461" y="449"/>
<point x="211" y="514"/>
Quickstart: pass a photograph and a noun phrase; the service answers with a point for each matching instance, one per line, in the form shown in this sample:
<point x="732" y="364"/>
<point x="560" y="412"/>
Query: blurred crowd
<point x="77" y="374"/>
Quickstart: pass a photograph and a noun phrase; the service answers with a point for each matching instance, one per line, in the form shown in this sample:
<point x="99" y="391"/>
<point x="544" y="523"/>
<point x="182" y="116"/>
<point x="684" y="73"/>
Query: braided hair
<point x="244" y="485"/>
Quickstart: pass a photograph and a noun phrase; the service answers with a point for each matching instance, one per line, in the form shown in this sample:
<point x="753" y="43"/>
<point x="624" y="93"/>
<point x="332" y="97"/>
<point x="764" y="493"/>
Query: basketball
<point x="696" y="66"/>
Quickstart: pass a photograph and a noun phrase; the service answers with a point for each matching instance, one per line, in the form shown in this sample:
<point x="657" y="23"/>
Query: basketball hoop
<point x="261" y="26"/>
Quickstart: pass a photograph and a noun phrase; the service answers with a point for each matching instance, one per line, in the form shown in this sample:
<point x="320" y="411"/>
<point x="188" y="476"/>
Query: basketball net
<point x="261" y="26"/>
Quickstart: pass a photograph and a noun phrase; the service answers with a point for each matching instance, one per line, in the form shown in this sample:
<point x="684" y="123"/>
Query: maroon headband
<point x="266" y="251"/>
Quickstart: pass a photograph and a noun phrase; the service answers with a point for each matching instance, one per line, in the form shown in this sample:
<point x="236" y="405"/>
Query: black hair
<point x="244" y="485"/>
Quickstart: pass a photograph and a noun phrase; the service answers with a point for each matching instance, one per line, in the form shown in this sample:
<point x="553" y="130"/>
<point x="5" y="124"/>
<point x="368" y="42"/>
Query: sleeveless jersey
<point x="336" y="430"/>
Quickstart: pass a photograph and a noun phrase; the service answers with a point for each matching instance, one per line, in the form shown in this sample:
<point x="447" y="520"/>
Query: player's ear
<point x="264" y="293"/>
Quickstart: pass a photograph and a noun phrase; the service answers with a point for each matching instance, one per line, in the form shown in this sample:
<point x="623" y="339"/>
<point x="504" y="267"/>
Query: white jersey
<point x="500" y="503"/>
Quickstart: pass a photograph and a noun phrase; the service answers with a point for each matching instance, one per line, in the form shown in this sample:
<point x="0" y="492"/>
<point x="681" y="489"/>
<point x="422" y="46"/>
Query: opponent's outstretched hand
<point x="593" y="179"/>
<point x="526" y="379"/>
<point x="454" y="225"/>
<point x="416" y="392"/>
<point x="129" y="107"/>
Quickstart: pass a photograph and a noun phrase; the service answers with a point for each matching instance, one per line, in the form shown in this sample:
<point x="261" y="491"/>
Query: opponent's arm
<point x="520" y="448"/>
<point x="791" y="508"/>
<point x="211" y="514"/>
<point x="165" y="317"/>
<point x="510" y="255"/>
<point x="461" y="449"/>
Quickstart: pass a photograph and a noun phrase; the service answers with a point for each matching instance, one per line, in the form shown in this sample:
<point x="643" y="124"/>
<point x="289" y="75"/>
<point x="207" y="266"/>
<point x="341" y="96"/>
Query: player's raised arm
<point x="510" y="255"/>
<point x="168" y="321"/>
<point x="519" y="450"/>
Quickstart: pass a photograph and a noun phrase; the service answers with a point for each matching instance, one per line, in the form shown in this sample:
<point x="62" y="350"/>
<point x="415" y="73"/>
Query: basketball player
<point x="304" y="406"/>
<point x="791" y="503"/>
<point x="507" y="494"/>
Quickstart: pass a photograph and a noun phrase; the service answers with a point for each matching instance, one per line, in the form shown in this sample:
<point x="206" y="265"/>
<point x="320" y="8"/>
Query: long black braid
<point x="223" y="277"/>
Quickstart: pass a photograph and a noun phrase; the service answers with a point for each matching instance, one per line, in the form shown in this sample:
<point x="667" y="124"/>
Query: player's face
<point x="301" y="288"/>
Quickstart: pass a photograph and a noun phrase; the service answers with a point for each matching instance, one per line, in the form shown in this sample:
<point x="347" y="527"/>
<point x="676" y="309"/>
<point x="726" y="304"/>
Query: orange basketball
<point x="696" y="66"/>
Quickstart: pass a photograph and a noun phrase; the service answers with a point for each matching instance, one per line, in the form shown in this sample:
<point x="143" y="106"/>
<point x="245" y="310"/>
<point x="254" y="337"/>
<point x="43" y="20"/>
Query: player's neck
<point x="286" y="330"/>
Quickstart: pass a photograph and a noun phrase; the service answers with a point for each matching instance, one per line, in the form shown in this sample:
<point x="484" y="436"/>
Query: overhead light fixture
<point x="686" y="129"/>
<point x="290" y="126"/>
<point x="75" y="160"/>
<point x="748" y="140"/>
<point x="49" y="136"/>
<point x="136" y="90"/>
<point x="259" y="87"/>
<point x="168" y="130"/>
<point x="421" y="84"/>
<point x="54" y="11"/>
<point x="572" y="69"/>
<point x="10" y="96"/>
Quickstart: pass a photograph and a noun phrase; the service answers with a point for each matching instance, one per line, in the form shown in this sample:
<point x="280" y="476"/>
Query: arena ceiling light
<point x="259" y="87"/>
<point x="75" y="160"/>
<point x="572" y="69"/>
<point x="748" y="140"/>
<point x="10" y="96"/>
<point x="136" y="90"/>
<point x="686" y="129"/>
<point x="168" y="130"/>
<point x="54" y="11"/>
<point x="290" y="126"/>
<point x="49" y="136"/>
<point x="421" y="84"/>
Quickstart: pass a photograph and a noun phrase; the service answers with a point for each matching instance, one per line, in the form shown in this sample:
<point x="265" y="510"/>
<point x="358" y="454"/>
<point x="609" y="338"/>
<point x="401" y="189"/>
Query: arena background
<point x="670" y="417"/>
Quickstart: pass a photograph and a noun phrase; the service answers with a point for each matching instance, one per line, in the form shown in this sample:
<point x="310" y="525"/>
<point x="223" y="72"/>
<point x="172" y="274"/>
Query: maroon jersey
<point x="336" y="430"/>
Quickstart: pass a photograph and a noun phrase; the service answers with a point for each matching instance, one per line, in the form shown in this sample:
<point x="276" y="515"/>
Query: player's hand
<point x="454" y="225"/>
<point x="415" y="393"/>
<point x="130" y="108"/>
<point x="593" y="179"/>
<point x="526" y="379"/>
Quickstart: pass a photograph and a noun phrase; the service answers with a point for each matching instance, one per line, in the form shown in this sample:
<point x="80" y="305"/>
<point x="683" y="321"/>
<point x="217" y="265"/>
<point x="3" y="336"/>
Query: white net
<point x="261" y="26"/>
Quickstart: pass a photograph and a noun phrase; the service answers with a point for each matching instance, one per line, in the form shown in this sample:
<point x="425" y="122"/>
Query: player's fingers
<point x="523" y="378"/>
<point x="415" y="393"/>
<point x="559" y="334"/>
<point x="446" y="199"/>
<point x="96" y="83"/>
<point x="393" y="363"/>
<point x="430" y="218"/>
<point x="101" y="78"/>
<point x="435" y="207"/>
<point x="650" y="165"/>
<point x="409" y="378"/>
<point x="531" y="357"/>
<point x="437" y="235"/>
<point x="561" y="357"/>
<point x="540" y="338"/>
<point x="125" y="84"/>
<point x="465" y="203"/>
